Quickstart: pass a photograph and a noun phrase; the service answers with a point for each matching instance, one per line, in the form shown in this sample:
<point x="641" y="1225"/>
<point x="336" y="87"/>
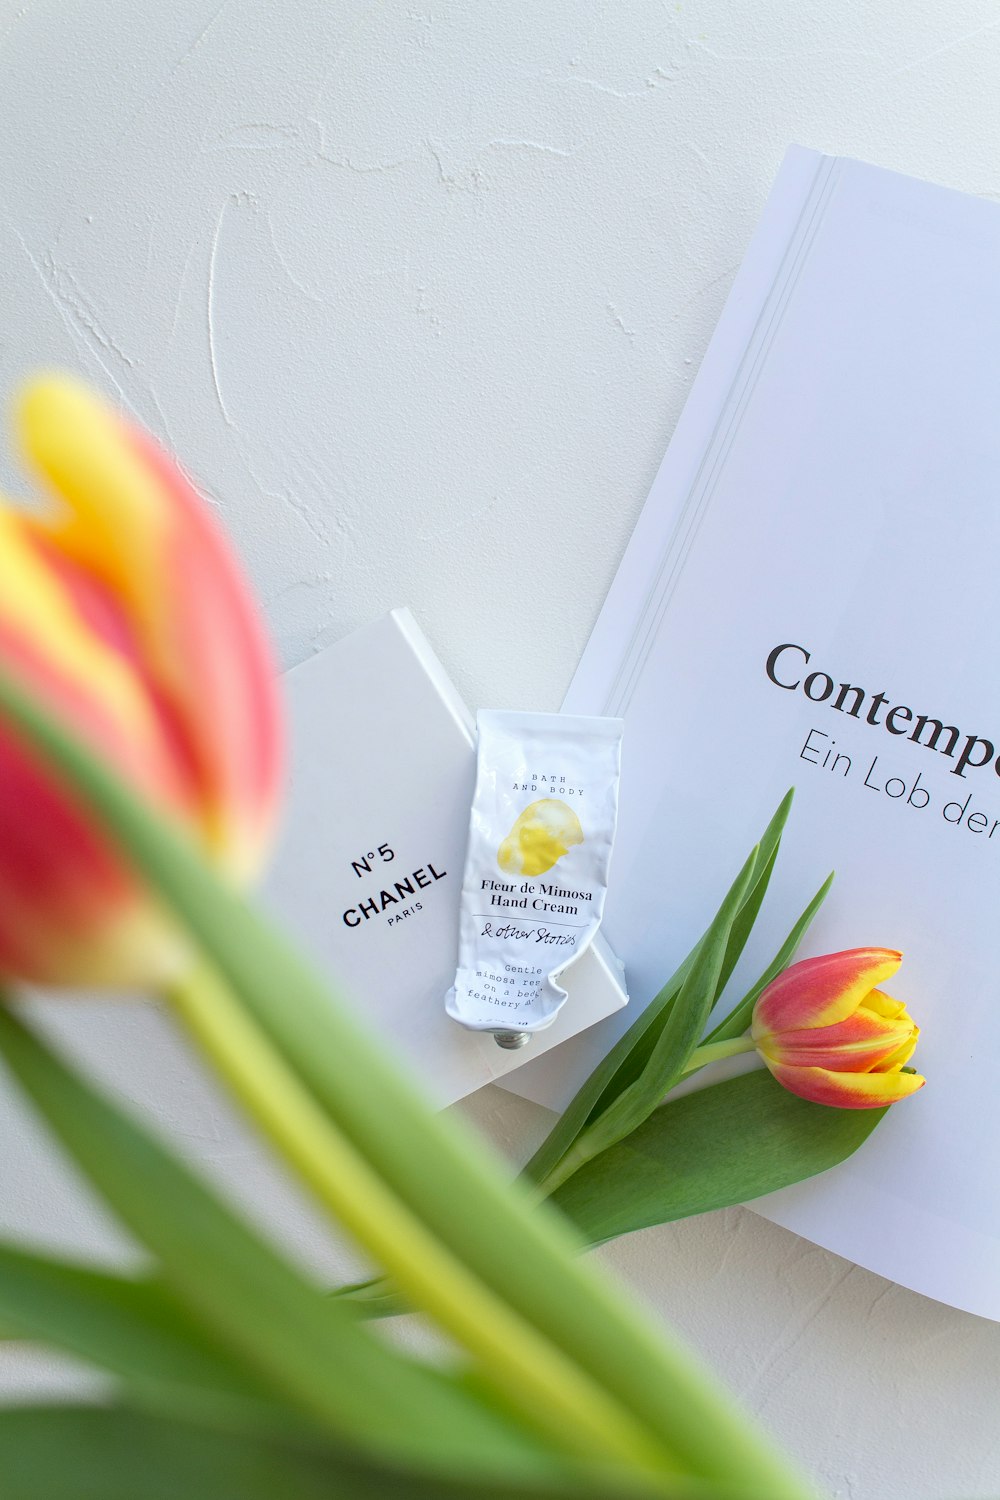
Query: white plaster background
<point x="417" y="291"/>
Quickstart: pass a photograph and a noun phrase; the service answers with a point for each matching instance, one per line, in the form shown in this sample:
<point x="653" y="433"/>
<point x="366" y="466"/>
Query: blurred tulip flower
<point x="124" y="611"/>
<point x="829" y="1034"/>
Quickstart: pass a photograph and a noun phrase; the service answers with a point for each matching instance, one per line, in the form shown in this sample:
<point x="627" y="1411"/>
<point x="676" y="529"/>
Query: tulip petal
<point x="131" y="518"/>
<point x="220" y="671"/>
<point x="847" y="1090"/>
<point x="70" y="910"/>
<point x="855" y="1045"/>
<point x="822" y="991"/>
<point x="884" y="1005"/>
<point x="901" y="1056"/>
<point x="48" y="637"/>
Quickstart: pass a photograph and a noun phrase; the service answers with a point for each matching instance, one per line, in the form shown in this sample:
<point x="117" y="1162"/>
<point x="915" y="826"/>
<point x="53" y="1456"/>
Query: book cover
<point x="809" y="598"/>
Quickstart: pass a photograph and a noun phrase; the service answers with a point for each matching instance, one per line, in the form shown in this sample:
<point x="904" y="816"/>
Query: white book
<point x="368" y="870"/>
<point x="833" y="487"/>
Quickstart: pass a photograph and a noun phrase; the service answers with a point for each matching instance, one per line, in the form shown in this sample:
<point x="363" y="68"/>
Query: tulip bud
<point x="828" y="1034"/>
<point x="125" y="613"/>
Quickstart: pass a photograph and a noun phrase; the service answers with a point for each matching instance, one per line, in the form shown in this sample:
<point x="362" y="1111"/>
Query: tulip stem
<point x="556" y="1396"/>
<point x="716" y="1051"/>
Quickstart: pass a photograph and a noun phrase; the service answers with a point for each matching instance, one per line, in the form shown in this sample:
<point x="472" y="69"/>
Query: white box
<point x="368" y="872"/>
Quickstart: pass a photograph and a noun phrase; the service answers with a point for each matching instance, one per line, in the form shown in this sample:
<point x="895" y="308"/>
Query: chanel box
<point x="368" y="871"/>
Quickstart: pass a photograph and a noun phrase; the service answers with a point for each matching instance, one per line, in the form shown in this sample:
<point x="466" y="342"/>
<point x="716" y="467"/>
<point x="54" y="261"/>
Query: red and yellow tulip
<point x="829" y="1034"/>
<point x="122" y="608"/>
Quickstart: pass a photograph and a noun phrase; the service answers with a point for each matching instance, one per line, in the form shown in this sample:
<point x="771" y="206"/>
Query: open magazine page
<point x="810" y="599"/>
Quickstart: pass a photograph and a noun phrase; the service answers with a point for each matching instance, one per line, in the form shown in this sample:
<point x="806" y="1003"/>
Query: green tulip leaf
<point x="739" y="1018"/>
<point x="677" y="1036"/>
<point x="681" y="1031"/>
<point x="307" y="1348"/>
<point x="767" y="854"/>
<point x="632" y="1054"/>
<point x="94" y="1453"/>
<point x="722" y="1145"/>
<point x="374" y="1298"/>
<point x="616" y="1071"/>
<point x="132" y="1328"/>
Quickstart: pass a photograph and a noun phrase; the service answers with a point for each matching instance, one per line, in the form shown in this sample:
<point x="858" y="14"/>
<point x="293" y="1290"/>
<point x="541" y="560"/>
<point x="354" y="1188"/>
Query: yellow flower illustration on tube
<point x="541" y="835"/>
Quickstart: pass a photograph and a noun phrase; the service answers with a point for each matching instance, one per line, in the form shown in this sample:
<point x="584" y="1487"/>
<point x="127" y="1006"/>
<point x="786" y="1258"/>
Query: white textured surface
<point x="417" y="292"/>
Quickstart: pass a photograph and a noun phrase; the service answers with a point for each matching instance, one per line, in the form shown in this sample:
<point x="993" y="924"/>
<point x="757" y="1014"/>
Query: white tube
<point x="536" y="871"/>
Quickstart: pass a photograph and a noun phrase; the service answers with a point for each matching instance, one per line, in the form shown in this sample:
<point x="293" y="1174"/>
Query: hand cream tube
<point x="536" y="870"/>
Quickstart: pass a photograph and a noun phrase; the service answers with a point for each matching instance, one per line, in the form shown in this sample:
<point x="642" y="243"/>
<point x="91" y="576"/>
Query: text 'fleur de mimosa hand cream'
<point x="536" y="871"/>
